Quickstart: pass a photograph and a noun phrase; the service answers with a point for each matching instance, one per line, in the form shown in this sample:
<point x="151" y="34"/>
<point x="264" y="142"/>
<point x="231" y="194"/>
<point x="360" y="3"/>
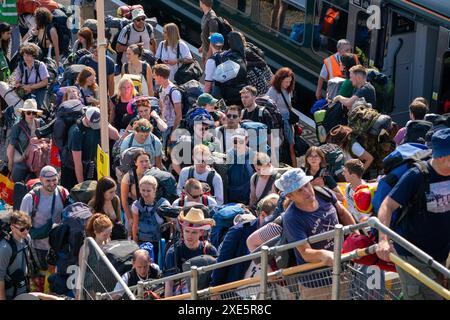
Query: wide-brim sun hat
<point x="195" y="219"/>
<point x="292" y="180"/>
<point x="30" y="105"/>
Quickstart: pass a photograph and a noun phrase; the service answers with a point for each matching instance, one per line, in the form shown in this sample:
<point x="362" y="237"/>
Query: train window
<point x="362" y="38"/>
<point x="445" y="84"/>
<point x="330" y="25"/>
<point x="401" y="24"/>
<point x="285" y="17"/>
<point x="244" y="6"/>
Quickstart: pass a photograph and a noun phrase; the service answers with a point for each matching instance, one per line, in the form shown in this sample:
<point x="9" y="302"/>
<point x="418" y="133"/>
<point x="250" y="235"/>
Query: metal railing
<point x="292" y="282"/>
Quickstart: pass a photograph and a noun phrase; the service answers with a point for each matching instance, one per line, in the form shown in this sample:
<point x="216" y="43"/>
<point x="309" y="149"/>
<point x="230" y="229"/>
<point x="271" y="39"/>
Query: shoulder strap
<point x="144" y="70"/>
<point x="205" y="200"/>
<point x="210" y="178"/>
<point x="182" y="199"/>
<point x="125" y="66"/>
<point x="36" y="197"/>
<point x="149" y="29"/>
<point x="191" y="172"/>
<point x="37" y="65"/>
<point x="260" y="113"/>
<point x="14" y="252"/>
<point x="62" y="194"/>
<point x="24" y="129"/>
<point x="222" y="131"/>
<point x="131" y="140"/>
<point x="127" y="33"/>
<point x="268" y="185"/>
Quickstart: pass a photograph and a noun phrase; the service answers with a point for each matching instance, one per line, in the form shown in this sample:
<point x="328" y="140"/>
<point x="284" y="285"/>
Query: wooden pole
<point x="102" y="80"/>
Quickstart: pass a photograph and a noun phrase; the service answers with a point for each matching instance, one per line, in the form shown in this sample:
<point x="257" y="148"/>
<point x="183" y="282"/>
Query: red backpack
<point x="29" y="6"/>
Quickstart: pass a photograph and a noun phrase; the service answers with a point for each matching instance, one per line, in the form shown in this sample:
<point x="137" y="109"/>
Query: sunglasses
<point x="22" y="229"/>
<point x="239" y="141"/>
<point x="139" y="19"/>
<point x="194" y="197"/>
<point x="232" y="116"/>
<point x="143" y="129"/>
<point x="31" y="112"/>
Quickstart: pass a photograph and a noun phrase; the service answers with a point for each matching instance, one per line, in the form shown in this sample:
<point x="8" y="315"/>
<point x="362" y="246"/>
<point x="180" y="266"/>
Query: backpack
<point x="37" y="155"/>
<point x="67" y="238"/>
<point x="416" y="131"/>
<point x="439" y="122"/>
<point x="120" y="254"/>
<point x="257" y="135"/>
<point x="74" y="57"/>
<point x="321" y="132"/>
<point x="187" y="72"/>
<point x="64" y="35"/>
<point x="200" y="261"/>
<point x="182" y="201"/>
<point x="190" y="91"/>
<point x="29" y="6"/>
<point x="223" y="216"/>
<point x="239" y="180"/>
<point x="128" y="27"/>
<point x="384" y="90"/>
<point x="266" y="103"/>
<point x="84" y="191"/>
<point x="208" y="184"/>
<point x="334" y="156"/>
<point x="268" y="186"/>
<point x="224" y="28"/>
<point x="166" y="184"/>
<point x="195" y="114"/>
<point x="66" y="116"/>
<point x="395" y="165"/>
<point x="71" y="74"/>
<point x="149" y="228"/>
<point x="334" y="115"/>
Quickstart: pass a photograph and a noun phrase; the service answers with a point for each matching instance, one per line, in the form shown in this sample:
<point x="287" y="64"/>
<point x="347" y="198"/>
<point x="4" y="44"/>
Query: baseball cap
<point x="93" y="116"/>
<point x="206" y="98"/>
<point x="216" y="38"/>
<point x="440" y="142"/>
<point x="48" y="172"/>
<point x="292" y="180"/>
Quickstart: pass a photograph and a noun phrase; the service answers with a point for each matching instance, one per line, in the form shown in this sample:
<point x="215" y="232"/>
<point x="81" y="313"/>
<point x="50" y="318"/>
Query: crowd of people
<point x="227" y="159"/>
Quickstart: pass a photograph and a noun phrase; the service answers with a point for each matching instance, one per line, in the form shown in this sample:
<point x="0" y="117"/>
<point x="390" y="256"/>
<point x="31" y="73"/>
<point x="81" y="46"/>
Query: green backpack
<point x="361" y="119"/>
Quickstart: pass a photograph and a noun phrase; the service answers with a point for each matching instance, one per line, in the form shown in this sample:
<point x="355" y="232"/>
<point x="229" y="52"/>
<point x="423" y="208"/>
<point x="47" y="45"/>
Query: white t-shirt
<point x="210" y="68"/>
<point x="135" y="37"/>
<point x="168" y="108"/>
<point x="357" y="149"/>
<point x="217" y="182"/>
<point x="168" y="53"/>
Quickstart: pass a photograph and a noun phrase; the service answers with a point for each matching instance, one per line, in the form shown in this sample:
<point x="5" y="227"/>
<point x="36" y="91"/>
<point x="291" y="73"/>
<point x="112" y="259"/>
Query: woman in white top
<point x="141" y="68"/>
<point x="173" y="51"/>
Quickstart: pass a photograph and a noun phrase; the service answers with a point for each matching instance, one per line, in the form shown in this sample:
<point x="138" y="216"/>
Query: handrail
<point x="358" y="253"/>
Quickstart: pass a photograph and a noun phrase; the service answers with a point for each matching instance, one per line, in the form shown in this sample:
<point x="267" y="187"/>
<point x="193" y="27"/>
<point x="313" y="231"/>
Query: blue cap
<point x="292" y="180"/>
<point x="440" y="142"/>
<point x="216" y="38"/>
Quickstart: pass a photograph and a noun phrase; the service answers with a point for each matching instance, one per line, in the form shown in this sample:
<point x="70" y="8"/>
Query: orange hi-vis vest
<point x="333" y="67"/>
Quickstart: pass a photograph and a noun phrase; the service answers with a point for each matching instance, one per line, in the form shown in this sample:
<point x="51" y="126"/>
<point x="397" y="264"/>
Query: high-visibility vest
<point x="8" y="11"/>
<point x="333" y="66"/>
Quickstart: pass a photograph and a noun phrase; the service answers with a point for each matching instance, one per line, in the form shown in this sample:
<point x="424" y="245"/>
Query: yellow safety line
<point x="413" y="271"/>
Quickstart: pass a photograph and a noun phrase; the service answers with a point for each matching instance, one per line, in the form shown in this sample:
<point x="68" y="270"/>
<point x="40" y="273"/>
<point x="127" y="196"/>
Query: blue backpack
<point x="395" y="165"/>
<point x="196" y="114"/>
<point x="223" y="216"/>
<point x="149" y="229"/>
<point x="258" y="130"/>
<point x="239" y="180"/>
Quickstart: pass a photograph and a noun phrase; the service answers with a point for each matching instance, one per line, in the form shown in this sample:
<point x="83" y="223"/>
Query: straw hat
<point x="30" y="105"/>
<point x="195" y="219"/>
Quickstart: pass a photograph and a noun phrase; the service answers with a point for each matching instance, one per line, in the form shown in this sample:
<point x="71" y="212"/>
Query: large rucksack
<point x="120" y="254"/>
<point x="70" y="74"/>
<point x="223" y="216"/>
<point x="224" y="28"/>
<point x="395" y="165"/>
<point x="204" y="260"/>
<point x="64" y="35"/>
<point x="190" y="91"/>
<point x="416" y="131"/>
<point x="166" y="184"/>
<point x="66" y="116"/>
<point x="439" y="122"/>
<point x="266" y="103"/>
<point x="67" y="238"/>
<point x="334" y="156"/>
<point x="209" y="180"/>
<point x="257" y="135"/>
<point x="83" y="192"/>
<point x="384" y="90"/>
<point x="193" y="115"/>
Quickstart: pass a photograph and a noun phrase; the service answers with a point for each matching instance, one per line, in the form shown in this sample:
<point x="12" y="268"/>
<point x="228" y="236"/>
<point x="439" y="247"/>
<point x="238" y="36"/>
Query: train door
<point x="440" y="102"/>
<point x="407" y="57"/>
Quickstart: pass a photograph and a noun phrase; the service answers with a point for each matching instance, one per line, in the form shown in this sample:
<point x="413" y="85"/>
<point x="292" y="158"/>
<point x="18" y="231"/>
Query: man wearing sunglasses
<point x="13" y="257"/>
<point x="193" y="195"/>
<point x="224" y="133"/>
<point x="137" y="32"/>
<point x="44" y="204"/>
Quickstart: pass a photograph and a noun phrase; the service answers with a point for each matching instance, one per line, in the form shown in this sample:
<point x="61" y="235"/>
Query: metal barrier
<point x="344" y="280"/>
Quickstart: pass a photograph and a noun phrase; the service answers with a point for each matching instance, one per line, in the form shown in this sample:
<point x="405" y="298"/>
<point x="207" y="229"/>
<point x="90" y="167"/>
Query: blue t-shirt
<point x="88" y="61"/>
<point x="300" y="225"/>
<point x="429" y="230"/>
<point x="185" y="255"/>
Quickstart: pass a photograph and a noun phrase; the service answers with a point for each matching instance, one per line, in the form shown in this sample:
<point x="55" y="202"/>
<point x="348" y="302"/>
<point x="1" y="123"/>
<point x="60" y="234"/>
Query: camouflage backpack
<point x="361" y="119"/>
